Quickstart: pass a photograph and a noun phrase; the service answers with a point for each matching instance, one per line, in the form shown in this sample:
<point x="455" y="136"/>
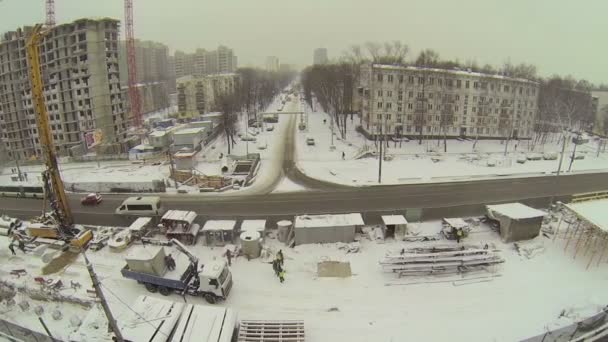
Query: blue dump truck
<point x="212" y="281"/>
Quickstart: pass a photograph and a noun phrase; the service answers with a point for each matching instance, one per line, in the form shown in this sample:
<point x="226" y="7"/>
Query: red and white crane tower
<point x="132" y="66"/>
<point x="50" y="13"/>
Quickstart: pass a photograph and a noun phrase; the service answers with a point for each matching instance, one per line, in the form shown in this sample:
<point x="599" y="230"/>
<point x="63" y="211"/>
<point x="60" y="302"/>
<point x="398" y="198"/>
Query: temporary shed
<point x="394" y="224"/>
<point x="517" y="221"/>
<point x="140" y="226"/>
<point x="147" y="260"/>
<point x="326" y="228"/>
<point x="218" y="232"/>
<point x="180" y="225"/>
<point x="254" y="225"/>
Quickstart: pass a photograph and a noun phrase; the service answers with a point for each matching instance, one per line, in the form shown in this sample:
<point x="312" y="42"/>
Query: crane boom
<point x="53" y="184"/>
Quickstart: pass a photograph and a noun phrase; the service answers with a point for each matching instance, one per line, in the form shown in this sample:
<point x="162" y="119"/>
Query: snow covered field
<point x="414" y="163"/>
<point x="525" y="297"/>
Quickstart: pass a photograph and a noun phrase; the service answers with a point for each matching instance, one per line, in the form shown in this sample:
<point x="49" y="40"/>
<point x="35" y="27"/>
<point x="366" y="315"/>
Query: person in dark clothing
<point x="229" y="257"/>
<point x="12" y="248"/>
<point x="22" y="246"/>
<point x="275" y="267"/>
<point x="343" y="155"/>
<point x="280" y="257"/>
<point x="459" y="234"/>
<point x="170" y="262"/>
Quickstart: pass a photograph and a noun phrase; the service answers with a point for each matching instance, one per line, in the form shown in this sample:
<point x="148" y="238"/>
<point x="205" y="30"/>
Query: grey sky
<point x="559" y="36"/>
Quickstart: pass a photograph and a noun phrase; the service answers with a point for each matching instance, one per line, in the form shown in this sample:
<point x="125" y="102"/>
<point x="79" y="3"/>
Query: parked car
<point x="269" y="128"/>
<point x="310" y="141"/>
<point x="91" y="199"/>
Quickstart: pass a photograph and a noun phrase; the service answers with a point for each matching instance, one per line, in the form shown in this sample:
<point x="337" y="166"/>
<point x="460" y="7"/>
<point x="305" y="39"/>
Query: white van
<point x="141" y="206"/>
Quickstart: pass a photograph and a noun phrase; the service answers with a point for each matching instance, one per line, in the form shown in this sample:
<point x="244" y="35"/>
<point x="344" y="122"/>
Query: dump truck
<point x="212" y="281"/>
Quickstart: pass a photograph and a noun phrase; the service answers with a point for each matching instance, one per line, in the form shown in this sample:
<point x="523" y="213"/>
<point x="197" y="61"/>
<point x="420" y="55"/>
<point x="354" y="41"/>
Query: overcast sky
<point x="558" y="36"/>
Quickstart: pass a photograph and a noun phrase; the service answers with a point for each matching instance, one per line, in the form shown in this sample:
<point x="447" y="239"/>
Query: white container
<point x="251" y="244"/>
<point x="283" y="230"/>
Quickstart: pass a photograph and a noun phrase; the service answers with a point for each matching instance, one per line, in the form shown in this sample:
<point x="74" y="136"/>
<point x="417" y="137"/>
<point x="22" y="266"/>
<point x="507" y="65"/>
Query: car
<point x="91" y="199"/>
<point x="310" y="141"/>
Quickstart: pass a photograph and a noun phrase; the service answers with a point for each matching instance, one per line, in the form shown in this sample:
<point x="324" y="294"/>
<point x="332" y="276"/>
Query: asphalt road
<point x="460" y="198"/>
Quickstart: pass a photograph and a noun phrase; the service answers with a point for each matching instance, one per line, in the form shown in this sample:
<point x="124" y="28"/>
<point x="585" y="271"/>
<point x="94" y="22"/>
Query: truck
<point x="213" y="281"/>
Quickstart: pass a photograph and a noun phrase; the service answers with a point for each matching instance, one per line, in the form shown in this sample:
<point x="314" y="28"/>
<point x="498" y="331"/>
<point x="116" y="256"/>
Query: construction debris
<point x="271" y="331"/>
<point x="441" y="260"/>
<point x="529" y="249"/>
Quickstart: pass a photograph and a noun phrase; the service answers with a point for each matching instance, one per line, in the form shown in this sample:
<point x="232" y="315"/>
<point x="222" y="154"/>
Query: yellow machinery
<point x="53" y="185"/>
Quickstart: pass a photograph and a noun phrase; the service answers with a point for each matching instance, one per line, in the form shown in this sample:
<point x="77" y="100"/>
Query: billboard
<point x="93" y="138"/>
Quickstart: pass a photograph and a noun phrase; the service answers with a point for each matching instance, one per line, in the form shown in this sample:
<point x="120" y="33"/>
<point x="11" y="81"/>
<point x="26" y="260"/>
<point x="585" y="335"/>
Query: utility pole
<point x="172" y="167"/>
<point x="102" y="298"/>
<point x="578" y="137"/>
<point x="559" y="168"/>
<point x="380" y="150"/>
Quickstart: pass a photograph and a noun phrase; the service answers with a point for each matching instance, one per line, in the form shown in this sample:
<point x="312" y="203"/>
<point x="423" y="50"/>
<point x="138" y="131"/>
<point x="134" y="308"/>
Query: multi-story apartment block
<point x="413" y="101"/>
<point x="80" y="70"/>
<point x="203" y="62"/>
<point x="197" y="95"/>
<point x="151" y="59"/>
<point x="320" y="56"/>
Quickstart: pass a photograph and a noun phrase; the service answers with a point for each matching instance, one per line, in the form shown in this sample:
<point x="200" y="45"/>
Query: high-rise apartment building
<point x="320" y="56"/>
<point x="412" y="101"/>
<point x="80" y="68"/>
<point x="272" y="63"/>
<point x="203" y="62"/>
<point x="151" y="59"/>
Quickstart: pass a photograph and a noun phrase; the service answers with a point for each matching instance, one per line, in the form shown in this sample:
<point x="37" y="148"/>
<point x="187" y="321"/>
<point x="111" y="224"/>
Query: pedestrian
<point x="22" y="246"/>
<point x="170" y="262"/>
<point x="228" y="255"/>
<point x="459" y="234"/>
<point x="280" y="257"/>
<point x="12" y="248"/>
<point x="324" y="121"/>
<point x="275" y="267"/>
<point x="25" y="175"/>
<point x="282" y="276"/>
<point x="343" y="155"/>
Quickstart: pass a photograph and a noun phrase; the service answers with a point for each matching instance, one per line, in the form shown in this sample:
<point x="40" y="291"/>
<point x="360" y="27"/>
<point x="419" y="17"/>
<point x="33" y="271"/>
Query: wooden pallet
<point x="271" y="331"/>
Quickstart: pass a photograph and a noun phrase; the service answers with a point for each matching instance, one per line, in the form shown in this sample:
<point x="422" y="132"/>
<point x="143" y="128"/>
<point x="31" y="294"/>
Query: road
<point x="462" y="198"/>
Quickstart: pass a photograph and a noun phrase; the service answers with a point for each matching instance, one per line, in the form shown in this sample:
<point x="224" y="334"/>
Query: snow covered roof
<point x="219" y="225"/>
<point x="191" y="130"/>
<point x="393" y="219"/>
<point x="150" y="319"/>
<point x="211" y="115"/>
<point x="456" y="222"/>
<point x="158" y="134"/>
<point x="592" y="211"/>
<point x="516" y="210"/>
<point x="337" y="220"/>
<point x="253" y="225"/>
<point x="179" y="215"/>
<point x="213" y="269"/>
<point x="140" y="223"/>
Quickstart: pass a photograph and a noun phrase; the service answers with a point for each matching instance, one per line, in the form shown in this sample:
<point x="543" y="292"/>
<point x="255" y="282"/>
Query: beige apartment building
<point x="196" y="95"/>
<point x="413" y="101"/>
<point x="203" y="62"/>
<point x="80" y="68"/>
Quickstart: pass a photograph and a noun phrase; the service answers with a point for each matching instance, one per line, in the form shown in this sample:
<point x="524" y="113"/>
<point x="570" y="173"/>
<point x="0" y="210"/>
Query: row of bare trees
<point x="253" y="92"/>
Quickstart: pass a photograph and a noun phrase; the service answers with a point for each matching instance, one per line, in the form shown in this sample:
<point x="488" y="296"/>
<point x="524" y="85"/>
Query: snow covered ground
<point x="524" y="298"/>
<point x="414" y="163"/>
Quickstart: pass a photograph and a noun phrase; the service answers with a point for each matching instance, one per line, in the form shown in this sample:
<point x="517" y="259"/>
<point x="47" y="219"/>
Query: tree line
<point x="253" y="92"/>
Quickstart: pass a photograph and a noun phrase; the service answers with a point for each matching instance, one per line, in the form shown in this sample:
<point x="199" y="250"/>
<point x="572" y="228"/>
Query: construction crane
<point x="53" y="185"/>
<point x="50" y="13"/>
<point x="132" y="65"/>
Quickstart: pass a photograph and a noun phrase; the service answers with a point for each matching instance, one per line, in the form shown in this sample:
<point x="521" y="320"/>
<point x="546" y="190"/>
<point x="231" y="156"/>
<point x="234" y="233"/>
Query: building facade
<point x="151" y="59"/>
<point x="81" y="75"/>
<point x="600" y="109"/>
<point x="196" y="95"/>
<point x="272" y="63"/>
<point x="203" y="62"/>
<point x="320" y="56"/>
<point x="424" y="102"/>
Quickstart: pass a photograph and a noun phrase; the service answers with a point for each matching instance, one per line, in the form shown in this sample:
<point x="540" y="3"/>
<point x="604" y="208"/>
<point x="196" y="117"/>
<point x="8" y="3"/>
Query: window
<point x="400" y="78"/>
<point x="458" y="83"/>
<point x="466" y="84"/>
<point x="379" y="106"/>
<point x="390" y="78"/>
<point x="430" y="95"/>
<point x="400" y="97"/>
<point x="389" y="105"/>
<point x="430" y="106"/>
<point x="389" y="93"/>
<point x="388" y="116"/>
<point x="506" y="88"/>
<point x="379" y="93"/>
<point x="409" y="117"/>
<point x="440" y="81"/>
<point x="420" y="95"/>
<point x="410" y="94"/>
<point x="379" y="77"/>
<point x="410" y="79"/>
<point x="457" y="97"/>
<point x="474" y="109"/>
<point x="379" y="116"/>
<point x="431" y="80"/>
<point x="475" y="85"/>
<point x="399" y="108"/>
<point x="410" y="106"/>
